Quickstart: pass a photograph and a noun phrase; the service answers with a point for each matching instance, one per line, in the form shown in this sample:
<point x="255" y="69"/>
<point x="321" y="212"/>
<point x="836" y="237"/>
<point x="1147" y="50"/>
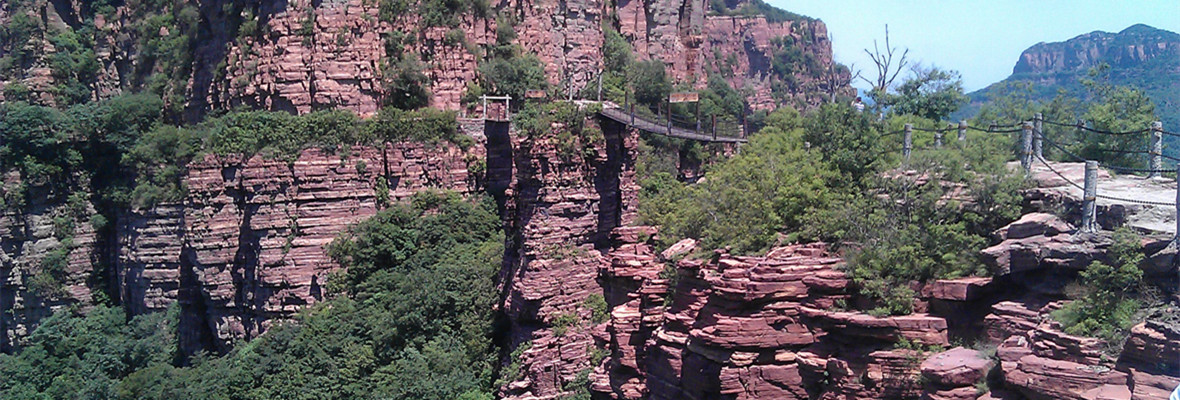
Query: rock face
<point x="249" y="244"/>
<point x="1135" y="45"/>
<point x="47" y="261"/>
<point x="566" y="207"/>
<point x="749" y="327"/>
<point x="305" y="55"/>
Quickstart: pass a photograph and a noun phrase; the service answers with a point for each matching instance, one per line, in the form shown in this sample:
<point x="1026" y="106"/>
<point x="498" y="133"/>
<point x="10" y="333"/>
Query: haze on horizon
<point x="982" y="42"/>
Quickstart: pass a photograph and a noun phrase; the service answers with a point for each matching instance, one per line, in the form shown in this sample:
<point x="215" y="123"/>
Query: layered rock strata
<point x="304" y="55"/>
<point x="249" y="244"/>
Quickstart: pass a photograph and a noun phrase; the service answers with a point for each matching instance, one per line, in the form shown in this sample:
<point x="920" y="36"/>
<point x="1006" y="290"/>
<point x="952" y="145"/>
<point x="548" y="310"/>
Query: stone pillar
<point x="909" y="142"/>
<point x="1037" y="135"/>
<point x="1089" y="199"/>
<point x="1026" y="136"/>
<point x="1157" y="149"/>
<point x="962" y="131"/>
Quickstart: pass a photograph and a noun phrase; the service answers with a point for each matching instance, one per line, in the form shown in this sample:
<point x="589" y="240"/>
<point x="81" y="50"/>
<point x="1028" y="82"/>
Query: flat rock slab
<point x="1130" y="189"/>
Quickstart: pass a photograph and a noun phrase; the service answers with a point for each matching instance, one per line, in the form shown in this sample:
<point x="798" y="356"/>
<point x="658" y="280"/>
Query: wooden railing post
<point x="1157" y="148"/>
<point x="1089" y="198"/>
<point x="908" y="144"/>
<point x="1037" y="134"/>
<point x="1026" y="137"/>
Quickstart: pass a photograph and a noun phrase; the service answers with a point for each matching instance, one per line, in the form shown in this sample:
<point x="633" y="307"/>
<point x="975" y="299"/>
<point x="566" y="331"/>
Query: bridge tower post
<point x="668" y="113"/>
<point x="1157" y="149"/>
<point x="1038" y="134"/>
<point x="962" y="131"/>
<point x="1089" y="198"/>
<point x="908" y="145"/>
<point x="698" y="117"/>
<point x="1026" y="137"/>
<point x="714" y="125"/>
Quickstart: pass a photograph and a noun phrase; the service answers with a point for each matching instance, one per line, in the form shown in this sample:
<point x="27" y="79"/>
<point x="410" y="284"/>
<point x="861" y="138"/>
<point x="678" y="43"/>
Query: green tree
<point x="930" y="93"/>
<point x="649" y="83"/>
<point x="406" y="87"/>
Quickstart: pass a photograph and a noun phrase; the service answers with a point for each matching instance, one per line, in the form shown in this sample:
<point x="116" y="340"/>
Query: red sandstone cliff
<point x="306" y="55"/>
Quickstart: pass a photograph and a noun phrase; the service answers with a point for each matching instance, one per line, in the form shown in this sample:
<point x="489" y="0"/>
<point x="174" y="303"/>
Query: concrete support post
<point x="508" y="108"/>
<point x="1026" y="136"/>
<point x="714" y="125"/>
<point x="632" y="115"/>
<point x="1089" y="199"/>
<point x="908" y="145"/>
<point x="962" y="131"/>
<point x="485" y="106"/>
<point x="1037" y="134"/>
<point x="1157" y="148"/>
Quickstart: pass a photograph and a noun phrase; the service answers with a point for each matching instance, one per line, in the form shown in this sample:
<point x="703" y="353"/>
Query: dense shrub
<point x="512" y="76"/>
<point x="411" y="318"/>
<point x="747" y="199"/>
<point x="1108" y="303"/>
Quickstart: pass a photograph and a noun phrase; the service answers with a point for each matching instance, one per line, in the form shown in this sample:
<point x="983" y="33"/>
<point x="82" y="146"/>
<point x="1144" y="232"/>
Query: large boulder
<point x="957" y="367"/>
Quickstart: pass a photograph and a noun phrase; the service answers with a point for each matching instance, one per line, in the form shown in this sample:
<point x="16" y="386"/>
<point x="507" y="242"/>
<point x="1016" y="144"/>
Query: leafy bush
<point x="747" y="200"/>
<point x="563" y="322"/>
<point x="649" y="83"/>
<point x="1108" y="306"/>
<point x="599" y="311"/>
<point x="406" y="87"/>
<point x="512" y="76"/>
<point x="425" y="126"/>
<point x="564" y="124"/>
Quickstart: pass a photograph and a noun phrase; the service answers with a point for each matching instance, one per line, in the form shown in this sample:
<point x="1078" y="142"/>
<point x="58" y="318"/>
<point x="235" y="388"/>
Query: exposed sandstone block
<point x="957" y="367"/>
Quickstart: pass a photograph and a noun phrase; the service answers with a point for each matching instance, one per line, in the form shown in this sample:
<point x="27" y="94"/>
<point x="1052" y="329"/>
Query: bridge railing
<point x="706" y="128"/>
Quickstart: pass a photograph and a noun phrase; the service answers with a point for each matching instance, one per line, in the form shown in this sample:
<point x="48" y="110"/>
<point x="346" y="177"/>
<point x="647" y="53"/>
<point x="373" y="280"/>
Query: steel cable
<point x="1098" y="131"/>
<point x="1102" y="196"/>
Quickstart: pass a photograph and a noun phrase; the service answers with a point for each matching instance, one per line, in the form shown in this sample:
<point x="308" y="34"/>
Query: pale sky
<point x="980" y="39"/>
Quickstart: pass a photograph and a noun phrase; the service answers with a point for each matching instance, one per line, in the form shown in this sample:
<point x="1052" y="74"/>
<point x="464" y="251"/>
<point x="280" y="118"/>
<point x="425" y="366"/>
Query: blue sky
<point x="980" y="39"/>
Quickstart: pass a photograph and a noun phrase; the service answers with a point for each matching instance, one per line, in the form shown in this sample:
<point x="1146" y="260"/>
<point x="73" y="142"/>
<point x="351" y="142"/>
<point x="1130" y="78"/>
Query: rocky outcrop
<point x="48" y="259"/>
<point x="249" y="245"/>
<point x="953" y="374"/>
<point x="749" y="327"/>
<point x="566" y="206"/>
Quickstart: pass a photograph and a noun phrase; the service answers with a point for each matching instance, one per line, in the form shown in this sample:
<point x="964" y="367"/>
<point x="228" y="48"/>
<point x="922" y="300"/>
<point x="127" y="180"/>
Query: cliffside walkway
<point x="711" y="133"/>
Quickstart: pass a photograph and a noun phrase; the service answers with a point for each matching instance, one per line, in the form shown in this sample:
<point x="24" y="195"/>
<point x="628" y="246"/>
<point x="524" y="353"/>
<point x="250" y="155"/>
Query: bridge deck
<point x="661" y="128"/>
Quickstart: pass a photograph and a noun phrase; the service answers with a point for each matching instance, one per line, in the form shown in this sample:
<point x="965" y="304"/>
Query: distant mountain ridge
<point x="1140" y="56"/>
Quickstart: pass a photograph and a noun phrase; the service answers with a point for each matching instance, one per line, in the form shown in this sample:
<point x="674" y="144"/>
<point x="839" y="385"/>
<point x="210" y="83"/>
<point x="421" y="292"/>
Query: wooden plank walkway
<point x="661" y="127"/>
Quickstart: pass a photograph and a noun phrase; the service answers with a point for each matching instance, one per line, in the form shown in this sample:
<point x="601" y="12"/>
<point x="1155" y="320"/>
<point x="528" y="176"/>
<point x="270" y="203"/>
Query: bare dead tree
<point x="836" y="80"/>
<point x="887" y="71"/>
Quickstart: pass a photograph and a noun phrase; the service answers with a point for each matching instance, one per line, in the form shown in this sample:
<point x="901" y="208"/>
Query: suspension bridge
<point x="710" y="130"/>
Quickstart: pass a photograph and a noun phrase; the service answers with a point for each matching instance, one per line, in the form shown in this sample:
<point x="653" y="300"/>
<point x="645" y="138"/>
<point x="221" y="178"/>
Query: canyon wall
<point x="304" y="55"/>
